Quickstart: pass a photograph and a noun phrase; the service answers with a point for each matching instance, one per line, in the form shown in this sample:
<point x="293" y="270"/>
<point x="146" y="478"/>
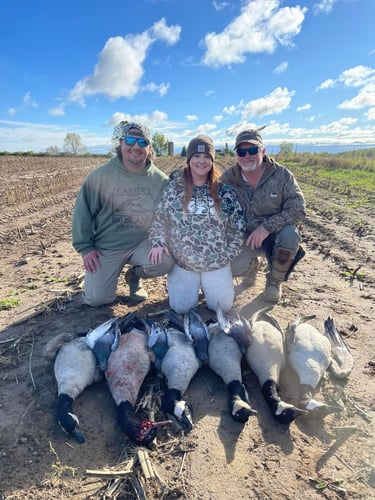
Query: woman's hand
<point x="155" y="255"/>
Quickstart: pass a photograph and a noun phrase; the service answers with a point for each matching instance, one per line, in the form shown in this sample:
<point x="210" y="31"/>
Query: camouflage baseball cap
<point x="138" y="130"/>
<point x="251" y="135"/>
<point x="123" y="130"/>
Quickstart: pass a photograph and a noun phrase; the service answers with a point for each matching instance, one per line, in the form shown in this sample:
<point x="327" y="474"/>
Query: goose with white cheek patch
<point x="128" y="366"/>
<point x="265" y="356"/>
<point x="75" y="369"/>
<point x="178" y="363"/>
<point x="310" y="354"/>
<point x="225" y="356"/>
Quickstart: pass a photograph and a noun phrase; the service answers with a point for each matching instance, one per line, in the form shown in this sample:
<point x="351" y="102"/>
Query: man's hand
<point x="91" y="261"/>
<point x="257" y="237"/>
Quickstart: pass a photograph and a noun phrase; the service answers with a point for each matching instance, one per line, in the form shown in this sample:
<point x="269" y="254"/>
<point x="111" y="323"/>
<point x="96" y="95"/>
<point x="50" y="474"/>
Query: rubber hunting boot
<point x="280" y="264"/>
<point x="133" y="278"/>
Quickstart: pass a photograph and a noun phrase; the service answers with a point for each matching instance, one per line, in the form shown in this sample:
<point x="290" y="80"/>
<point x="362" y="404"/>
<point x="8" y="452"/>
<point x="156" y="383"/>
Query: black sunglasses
<point x="130" y="141"/>
<point x="252" y="150"/>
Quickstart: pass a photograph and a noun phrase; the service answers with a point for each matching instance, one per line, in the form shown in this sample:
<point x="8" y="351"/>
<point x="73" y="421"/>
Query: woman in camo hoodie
<point x="200" y="222"/>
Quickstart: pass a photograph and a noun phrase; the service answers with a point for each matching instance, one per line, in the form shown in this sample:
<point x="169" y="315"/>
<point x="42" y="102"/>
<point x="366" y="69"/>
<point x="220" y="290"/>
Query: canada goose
<point x="178" y="366"/>
<point x="265" y="356"/>
<point x="128" y="366"/>
<point x="225" y="360"/>
<point x="75" y="369"/>
<point x="310" y="355"/>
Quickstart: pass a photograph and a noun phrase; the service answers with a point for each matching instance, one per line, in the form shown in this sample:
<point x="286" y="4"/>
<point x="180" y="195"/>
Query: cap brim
<point x="250" y="141"/>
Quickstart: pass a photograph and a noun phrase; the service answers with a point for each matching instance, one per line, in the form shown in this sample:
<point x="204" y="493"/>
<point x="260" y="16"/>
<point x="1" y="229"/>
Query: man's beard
<point x="249" y="168"/>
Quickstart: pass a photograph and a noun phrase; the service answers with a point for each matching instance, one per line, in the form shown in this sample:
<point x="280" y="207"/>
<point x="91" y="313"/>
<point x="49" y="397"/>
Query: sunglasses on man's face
<point x="130" y="141"/>
<point x="252" y="150"/>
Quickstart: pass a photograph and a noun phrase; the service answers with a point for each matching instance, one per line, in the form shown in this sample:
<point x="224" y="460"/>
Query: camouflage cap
<point x="251" y="135"/>
<point x="138" y="130"/>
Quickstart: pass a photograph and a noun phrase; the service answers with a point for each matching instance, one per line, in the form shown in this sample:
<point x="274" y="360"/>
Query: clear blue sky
<point x="183" y="67"/>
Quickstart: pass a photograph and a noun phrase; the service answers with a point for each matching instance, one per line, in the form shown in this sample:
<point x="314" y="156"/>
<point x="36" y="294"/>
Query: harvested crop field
<point x="40" y="285"/>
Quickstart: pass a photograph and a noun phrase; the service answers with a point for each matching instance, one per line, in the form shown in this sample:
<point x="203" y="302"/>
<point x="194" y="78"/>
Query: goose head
<point x="141" y="432"/>
<point x="68" y="421"/>
<point x="285" y="413"/>
<point x="178" y="409"/>
<point x="319" y="410"/>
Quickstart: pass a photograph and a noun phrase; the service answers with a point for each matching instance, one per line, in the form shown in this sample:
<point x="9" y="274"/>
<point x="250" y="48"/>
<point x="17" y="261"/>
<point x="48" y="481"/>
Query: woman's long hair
<point x="213" y="178"/>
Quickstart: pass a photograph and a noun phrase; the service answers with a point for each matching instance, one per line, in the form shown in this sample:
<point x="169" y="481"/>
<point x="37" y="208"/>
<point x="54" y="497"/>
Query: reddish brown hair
<point x="213" y="177"/>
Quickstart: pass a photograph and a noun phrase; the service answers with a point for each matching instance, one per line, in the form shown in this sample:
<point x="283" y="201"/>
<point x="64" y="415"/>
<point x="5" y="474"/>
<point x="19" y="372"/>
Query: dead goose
<point x="309" y="354"/>
<point x="75" y="369"/>
<point x="178" y="363"/>
<point x="128" y="366"/>
<point x="225" y="360"/>
<point x="265" y="356"/>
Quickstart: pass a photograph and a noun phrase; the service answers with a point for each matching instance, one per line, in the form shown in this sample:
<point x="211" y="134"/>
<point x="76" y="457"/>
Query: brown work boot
<point x="272" y="292"/>
<point x="137" y="292"/>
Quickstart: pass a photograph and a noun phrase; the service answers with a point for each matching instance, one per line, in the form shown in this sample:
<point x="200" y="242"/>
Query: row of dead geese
<point x="123" y="349"/>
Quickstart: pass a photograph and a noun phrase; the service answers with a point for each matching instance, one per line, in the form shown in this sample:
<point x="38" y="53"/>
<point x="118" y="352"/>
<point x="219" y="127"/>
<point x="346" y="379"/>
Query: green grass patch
<point x="7" y="304"/>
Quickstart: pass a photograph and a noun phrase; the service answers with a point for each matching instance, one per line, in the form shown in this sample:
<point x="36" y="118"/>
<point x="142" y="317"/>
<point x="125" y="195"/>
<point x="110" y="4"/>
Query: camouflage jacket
<point x="276" y="201"/>
<point x="199" y="238"/>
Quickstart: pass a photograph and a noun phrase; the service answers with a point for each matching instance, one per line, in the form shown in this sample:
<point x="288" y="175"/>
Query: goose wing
<point x="342" y="359"/>
<point x="196" y="329"/>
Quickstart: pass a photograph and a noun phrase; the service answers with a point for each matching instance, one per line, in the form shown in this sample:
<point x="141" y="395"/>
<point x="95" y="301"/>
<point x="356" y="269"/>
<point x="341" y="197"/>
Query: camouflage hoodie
<point x="199" y="239"/>
<point x="276" y="201"/>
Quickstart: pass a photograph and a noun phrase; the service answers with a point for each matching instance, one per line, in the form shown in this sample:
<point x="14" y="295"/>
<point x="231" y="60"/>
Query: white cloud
<point x="119" y="70"/>
<point x="260" y="27"/>
<point x="220" y="5"/>
<point x="217" y="118"/>
<point x="209" y="93"/>
<point x="273" y="103"/>
<point x="365" y="98"/>
<point x="357" y="76"/>
<point x="12" y="111"/>
<point x="305" y="107"/>
<point x="169" y="34"/>
<point x="281" y="68"/>
<point x="162" y="89"/>
<point x="370" y="115"/>
<point x="324" y="6"/>
<point x="191" y="118"/>
<point x="28" y="101"/>
<point x="154" y="119"/>
<point x="58" y="111"/>
<point x="230" y="110"/>
<point x="327" y="84"/>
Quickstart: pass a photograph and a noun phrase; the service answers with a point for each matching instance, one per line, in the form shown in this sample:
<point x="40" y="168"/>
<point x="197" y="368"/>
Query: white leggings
<point x="184" y="286"/>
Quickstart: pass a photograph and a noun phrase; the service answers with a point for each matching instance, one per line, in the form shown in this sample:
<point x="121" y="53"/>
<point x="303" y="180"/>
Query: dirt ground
<point x="220" y="459"/>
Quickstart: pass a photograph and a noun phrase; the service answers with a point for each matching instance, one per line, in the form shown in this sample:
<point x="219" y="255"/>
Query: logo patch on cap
<point x="201" y="148"/>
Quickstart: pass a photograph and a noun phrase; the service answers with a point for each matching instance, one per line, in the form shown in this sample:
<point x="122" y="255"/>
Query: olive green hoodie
<point x="114" y="207"/>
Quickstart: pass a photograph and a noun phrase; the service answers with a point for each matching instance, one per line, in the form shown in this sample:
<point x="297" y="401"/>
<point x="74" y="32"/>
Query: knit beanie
<point x="200" y="144"/>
